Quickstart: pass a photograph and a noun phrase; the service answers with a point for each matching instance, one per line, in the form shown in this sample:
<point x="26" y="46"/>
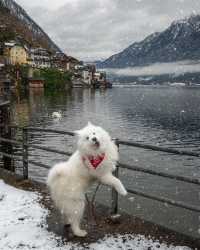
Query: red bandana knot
<point x="95" y="161"/>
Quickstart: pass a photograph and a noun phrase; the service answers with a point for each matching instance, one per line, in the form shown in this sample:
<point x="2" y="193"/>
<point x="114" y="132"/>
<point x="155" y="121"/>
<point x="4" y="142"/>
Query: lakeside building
<point x="15" y="53"/>
<point x="87" y="77"/>
<point x="90" y="77"/>
<point x="88" y="72"/>
<point x="72" y="63"/>
<point x="99" y="76"/>
<point x="36" y="83"/>
<point x="2" y="61"/>
<point x="6" y="85"/>
<point x="1" y="49"/>
<point x="60" y="61"/>
<point x="39" y="58"/>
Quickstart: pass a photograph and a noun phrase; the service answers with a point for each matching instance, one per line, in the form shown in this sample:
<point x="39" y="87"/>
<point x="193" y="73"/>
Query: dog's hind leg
<point x="112" y="181"/>
<point x="76" y="216"/>
<point x="66" y="221"/>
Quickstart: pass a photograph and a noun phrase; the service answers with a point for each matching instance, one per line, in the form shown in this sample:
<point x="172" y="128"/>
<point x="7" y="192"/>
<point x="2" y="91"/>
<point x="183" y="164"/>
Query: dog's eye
<point x="87" y="138"/>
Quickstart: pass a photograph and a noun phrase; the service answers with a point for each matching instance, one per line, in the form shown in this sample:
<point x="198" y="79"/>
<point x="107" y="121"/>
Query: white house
<point x="39" y="58"/>
<point x="87" y="76"/>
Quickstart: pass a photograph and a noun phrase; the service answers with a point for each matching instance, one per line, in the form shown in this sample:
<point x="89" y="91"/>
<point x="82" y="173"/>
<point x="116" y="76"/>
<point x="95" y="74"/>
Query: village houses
<point x="15" y="53"/>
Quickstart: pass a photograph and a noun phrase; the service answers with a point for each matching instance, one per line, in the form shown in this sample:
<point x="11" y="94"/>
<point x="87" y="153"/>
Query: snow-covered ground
<point x="23" y="226"/>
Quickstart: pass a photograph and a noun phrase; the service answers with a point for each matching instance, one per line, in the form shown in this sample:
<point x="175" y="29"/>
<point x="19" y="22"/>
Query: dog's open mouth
<point x="96" y="144"/>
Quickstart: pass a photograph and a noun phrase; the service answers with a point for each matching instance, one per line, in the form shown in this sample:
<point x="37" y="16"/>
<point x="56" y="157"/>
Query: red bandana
<point x="95" y="161"/>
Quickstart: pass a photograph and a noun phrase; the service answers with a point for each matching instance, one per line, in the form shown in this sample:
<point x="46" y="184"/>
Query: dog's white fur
<point x="68" y="181"/>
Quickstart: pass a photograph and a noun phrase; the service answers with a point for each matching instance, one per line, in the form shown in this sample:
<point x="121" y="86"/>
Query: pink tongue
<point x="96" y="161"/>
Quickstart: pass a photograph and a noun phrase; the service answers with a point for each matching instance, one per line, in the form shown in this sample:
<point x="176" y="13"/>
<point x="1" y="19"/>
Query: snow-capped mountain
<point x="18" y="21"/>
<point x="178" y="42"/>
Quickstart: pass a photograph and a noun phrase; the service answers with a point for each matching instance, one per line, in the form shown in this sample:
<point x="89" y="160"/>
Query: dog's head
<point x="92" y="140"/>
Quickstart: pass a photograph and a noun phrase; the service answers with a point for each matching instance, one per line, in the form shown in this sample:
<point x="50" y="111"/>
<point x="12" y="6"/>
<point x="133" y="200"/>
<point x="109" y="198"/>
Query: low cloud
<point x="176" y="68"/>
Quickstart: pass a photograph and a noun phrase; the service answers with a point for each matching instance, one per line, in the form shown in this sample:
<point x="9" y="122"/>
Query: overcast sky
<point x="97" y="29"/>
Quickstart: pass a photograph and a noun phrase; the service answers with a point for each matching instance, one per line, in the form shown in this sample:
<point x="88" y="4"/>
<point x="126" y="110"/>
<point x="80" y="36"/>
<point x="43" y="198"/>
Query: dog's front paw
<point x="124" y="192"/>
<point x="80" y="233"/>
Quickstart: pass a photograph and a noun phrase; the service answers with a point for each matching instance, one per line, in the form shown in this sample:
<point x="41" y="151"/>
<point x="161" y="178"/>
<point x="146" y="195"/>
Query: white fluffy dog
<point x="94" y="159"/>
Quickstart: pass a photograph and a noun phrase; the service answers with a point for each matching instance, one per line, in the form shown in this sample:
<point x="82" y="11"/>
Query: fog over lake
<point x="176" y="68"/>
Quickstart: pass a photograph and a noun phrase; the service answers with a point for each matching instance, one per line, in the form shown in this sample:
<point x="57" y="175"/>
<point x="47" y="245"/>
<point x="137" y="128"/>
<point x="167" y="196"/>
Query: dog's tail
<point x="55" y="173"/>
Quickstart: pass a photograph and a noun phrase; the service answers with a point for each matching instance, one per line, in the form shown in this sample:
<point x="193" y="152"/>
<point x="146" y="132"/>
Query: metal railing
<point x="114" y="202"/>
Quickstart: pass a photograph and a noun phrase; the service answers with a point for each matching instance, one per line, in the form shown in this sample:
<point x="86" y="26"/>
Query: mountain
<point x="178" y="42"/>
<point x="15" y="23"/>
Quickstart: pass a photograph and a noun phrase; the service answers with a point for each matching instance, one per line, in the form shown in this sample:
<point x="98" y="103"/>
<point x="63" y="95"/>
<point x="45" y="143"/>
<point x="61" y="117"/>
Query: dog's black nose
<point x="94" y="139"/>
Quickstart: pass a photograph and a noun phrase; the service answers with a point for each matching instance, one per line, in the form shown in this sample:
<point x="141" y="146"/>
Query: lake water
<point x="165" y="116"/>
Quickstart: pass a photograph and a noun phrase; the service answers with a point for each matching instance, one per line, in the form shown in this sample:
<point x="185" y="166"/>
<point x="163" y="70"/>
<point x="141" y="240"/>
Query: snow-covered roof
<point x="10" y="44"/>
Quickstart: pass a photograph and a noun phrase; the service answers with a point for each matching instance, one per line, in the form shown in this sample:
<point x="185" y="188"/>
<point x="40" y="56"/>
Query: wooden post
<point x="25" y="153"/>
<point x="114" y="201"/>
<point x="5" y="131"/>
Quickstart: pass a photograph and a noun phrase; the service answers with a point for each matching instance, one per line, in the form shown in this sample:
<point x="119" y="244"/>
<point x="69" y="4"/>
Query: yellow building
<point x="15" y="53"/>
<point x="18" y="55"/>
